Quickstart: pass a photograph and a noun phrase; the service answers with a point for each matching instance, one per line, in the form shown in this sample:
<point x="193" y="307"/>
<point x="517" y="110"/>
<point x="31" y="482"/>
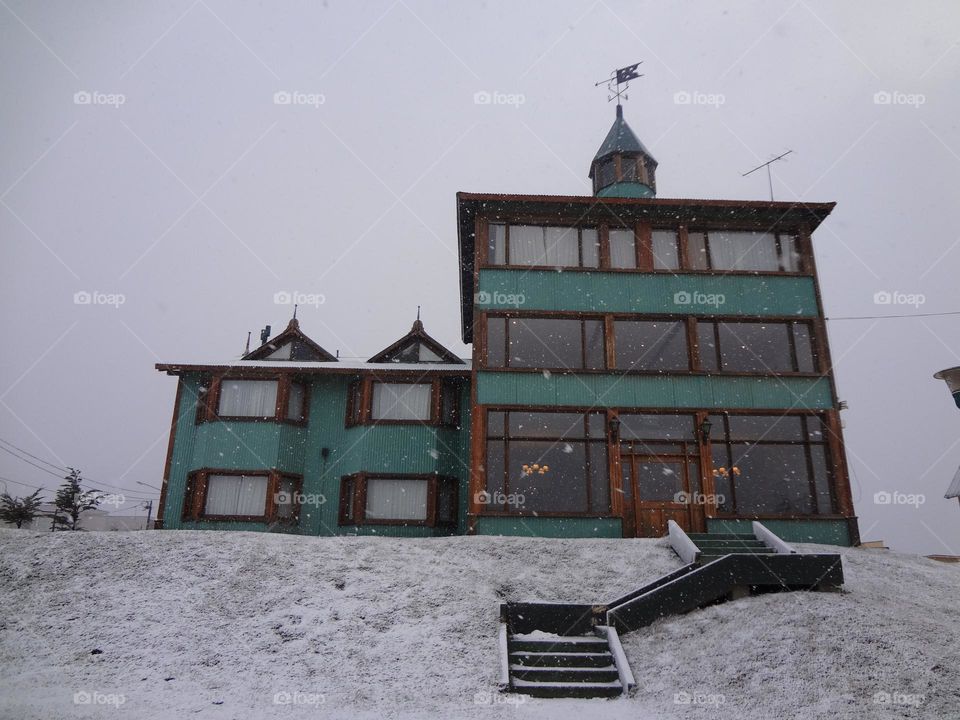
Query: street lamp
<point x="152" y="487"/>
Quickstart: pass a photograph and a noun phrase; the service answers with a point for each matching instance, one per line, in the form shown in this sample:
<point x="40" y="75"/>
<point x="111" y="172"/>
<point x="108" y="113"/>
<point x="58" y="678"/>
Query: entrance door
<point x="657" y="488"/>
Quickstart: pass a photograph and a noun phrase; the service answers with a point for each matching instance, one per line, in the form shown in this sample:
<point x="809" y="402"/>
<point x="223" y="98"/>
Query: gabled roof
<point x="416" y="347"/>
<point x="954" y="489"/>
<point x="291" y="345"/>
<point x="620" y="139"/>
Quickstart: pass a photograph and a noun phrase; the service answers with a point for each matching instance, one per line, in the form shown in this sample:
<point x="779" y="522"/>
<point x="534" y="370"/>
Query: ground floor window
<point x="772" y="465"/>
<point x="371" y="499"/>
<point x="546" y="462"/>
<point x="256" y="495"/>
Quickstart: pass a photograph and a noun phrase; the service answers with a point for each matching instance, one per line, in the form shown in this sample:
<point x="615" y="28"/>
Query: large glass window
<point x="758" y="347"/>
<point x="401" y="401"/>
<point x="548" y="343"/>
<point x="651" y="345"/>
<point x="398" y="500"/>
<point x="666" y="255"/>
<point x="743" y="250"/>
<point x="543" y="245"/>
<point x="247" y="398"/>
<point x="236" y="495"/>
<point x="546" y="463"/>
<point x="623" y="248"/>
<point x="771" y="465"/>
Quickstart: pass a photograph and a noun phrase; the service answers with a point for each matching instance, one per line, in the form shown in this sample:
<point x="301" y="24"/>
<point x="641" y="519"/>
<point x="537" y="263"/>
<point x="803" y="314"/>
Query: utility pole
<point x="149" y="513"/>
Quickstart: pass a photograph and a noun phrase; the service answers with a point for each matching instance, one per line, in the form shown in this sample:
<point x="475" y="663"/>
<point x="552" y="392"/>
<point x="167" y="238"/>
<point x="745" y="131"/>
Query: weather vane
<point x="623" y="76"/>
<point x="767" y="165"/>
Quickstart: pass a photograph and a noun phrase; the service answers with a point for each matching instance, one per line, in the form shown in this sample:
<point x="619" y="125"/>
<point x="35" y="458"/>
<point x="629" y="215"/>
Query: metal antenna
<point x="623" y="76"/>
<point x="767" y="165"/>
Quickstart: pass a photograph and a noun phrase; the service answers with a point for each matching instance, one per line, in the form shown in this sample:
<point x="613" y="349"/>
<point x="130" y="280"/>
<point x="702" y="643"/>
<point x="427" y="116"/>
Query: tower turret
<point x="623" y="167"/>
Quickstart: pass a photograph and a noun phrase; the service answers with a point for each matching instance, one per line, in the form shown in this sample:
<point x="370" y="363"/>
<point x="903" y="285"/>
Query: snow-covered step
<point x="568" y="689"/>
<point x="548" y="665"/>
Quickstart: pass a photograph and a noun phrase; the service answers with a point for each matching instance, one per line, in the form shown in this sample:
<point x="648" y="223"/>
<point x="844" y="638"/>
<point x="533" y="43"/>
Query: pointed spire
<point x="417" y="325"/>
<point x="623" y="167"/>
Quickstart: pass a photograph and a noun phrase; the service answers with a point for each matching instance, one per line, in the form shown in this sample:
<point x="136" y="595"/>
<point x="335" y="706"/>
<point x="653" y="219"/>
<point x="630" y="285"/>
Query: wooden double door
<point x="658" y="487"/>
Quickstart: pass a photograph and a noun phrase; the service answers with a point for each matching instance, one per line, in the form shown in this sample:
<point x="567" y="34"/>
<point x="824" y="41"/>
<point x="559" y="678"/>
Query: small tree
<point x="19" y="510"/>
<point x="71" y="501"/>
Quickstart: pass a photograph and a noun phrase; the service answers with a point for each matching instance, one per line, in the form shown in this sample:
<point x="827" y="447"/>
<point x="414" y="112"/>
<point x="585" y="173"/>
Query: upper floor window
<point x="543" y="245"/>
<point x="554" y="343"/>
<point x="255" y="399"/>
<point x="743" y="250"/>
<point x="425" y="401"/>
<point x="756" y="346"/>
<point x="651" y="345"/>
<point x="644" y="248"/>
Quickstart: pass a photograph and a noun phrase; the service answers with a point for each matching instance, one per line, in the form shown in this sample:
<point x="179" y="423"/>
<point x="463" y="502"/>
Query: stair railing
<point x="619" y="656"/>
<point x="771" y="539"/>
<point x="682" y="544"/>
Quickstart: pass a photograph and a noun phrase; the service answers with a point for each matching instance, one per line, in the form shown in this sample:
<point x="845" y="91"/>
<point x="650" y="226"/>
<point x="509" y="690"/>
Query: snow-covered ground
<point x="242" y="625"/>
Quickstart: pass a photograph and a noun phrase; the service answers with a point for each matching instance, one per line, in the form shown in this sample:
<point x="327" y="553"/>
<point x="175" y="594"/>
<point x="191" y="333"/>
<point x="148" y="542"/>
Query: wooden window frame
<point x="695" y="353"/>
<point x="816" y="356"/>
<point x="208" y="407"/>
<point x="806" y="443"/>
<point x="587" y="441"/>
<point x="359" y="505"/>
<point x="582" y="318"/>
<point x="359" y="409"/>
<point x="195" y="496"/>
<point x="642" y="245"/>
<point x="578" y="227"/>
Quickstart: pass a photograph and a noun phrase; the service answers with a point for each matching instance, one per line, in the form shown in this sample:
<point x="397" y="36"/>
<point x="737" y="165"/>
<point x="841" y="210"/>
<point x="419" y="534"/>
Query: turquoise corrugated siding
<point x="666" y="391"/>
<point x="264" y="445"/>
<point x="826" y="532"/>
<point x="645" y="292"/>
<point x="550" y="527"/>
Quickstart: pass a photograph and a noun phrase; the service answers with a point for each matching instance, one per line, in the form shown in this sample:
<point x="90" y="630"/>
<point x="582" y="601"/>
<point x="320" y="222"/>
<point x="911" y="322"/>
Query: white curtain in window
<point x="591" y="247"/>
<point x="285" y="498"/>
<point x="248" y="398"/>
<point x="236" y="495"/>
<point x="396" y="499"/>
<point x="743" y="251"/>
<point x="527" y="245"/>
<point x="295" y="401"/>
<point x="664" y="245"/>
<point x="622" y="249"/>
<point x="401" y="401"/>
<point x="561" y="246"/>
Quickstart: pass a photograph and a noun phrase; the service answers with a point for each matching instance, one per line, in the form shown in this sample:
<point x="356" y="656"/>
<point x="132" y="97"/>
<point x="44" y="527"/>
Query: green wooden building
<point x="635" y="360"/>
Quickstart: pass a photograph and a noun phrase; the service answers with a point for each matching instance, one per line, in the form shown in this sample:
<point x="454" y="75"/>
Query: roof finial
<point x="418" y="312"/>
<point x="295" y="306"/>
<point x="247" y="350"/>
<point x="623" y="76"/>
<point x="417" y="325"/>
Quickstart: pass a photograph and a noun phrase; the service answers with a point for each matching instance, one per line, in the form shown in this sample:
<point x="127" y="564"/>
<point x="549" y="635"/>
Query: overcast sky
<point x="147" y="155"/>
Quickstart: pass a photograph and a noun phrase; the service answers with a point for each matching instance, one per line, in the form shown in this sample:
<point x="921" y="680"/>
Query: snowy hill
<point x="244" y="625"/>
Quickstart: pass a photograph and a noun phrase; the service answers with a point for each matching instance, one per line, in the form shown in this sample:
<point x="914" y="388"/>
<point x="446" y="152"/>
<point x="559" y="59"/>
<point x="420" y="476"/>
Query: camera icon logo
<point x="682" y="98"/>
<point x="82" y="297"/>
<point x="282" y="97"/>
<point x="682" y="298"/>
<point x="882" y="98"/>
<point x="282" y="298"/>
<point x="882" y="498"/>
<point x="482" y="97"/>
<point x="82" y="97"/>
<point x="82" y="698"/>
<point x="882" y="298"/>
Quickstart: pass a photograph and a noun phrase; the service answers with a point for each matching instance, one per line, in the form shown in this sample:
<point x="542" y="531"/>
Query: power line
<point x="45" y="462"/>
<point x="28" y="462"/>
<point x="886" y="317"/>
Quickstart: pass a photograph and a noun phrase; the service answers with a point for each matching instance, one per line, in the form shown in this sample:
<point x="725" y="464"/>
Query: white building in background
<point x="97" y="520"/>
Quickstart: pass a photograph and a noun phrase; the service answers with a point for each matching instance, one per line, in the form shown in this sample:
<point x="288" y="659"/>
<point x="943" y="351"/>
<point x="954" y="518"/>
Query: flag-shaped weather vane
<point x="623" y="76"/>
